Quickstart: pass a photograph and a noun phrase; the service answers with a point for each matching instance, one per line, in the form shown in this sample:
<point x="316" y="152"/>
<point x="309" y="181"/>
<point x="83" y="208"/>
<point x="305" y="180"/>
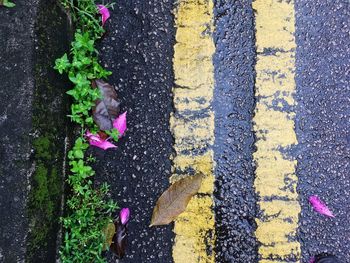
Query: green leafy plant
<point x="83" y="14"/>
<point x="81" y="70"/>
<point x="88" y="210"/>
<point x="90" y="213"/>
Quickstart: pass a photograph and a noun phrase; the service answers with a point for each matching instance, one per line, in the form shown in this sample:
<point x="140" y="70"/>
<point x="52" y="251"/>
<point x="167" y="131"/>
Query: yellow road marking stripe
<point x="192" y="126"/>
<point x="276" y="180"/>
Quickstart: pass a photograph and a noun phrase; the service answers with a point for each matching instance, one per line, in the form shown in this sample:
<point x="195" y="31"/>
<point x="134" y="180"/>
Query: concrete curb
<point x="33" y="125"/>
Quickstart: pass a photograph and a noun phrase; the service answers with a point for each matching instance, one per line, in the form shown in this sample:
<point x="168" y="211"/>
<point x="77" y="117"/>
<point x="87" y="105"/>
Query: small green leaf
<point x="114" y="133"/>
<point x="62" y="64"/>
<point x="7" y="3"/>
<point x="79" y="154"/>
<point x="73" y="93"/>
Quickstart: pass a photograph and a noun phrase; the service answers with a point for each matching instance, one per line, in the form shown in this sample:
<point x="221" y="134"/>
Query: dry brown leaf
<point x="119" y="241"/>
<point x="109" y="232"/>
<point x="107" y="108"/>
<point x="175" y="199"/>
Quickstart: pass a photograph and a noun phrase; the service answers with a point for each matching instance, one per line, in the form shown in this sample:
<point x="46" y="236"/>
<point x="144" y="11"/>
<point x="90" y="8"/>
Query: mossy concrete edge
<point x="50" y="107"/>
<point x="33" y="130"/>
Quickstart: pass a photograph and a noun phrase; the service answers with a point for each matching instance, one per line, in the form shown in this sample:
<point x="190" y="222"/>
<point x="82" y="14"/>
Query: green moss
<point x="44" y="199"/>
<point x="40" y="178"/>
<point x="47" y="188"/>
<point x="42" y="146"/>
<point x="49" y="121"/>
<point x="55" y="182"/>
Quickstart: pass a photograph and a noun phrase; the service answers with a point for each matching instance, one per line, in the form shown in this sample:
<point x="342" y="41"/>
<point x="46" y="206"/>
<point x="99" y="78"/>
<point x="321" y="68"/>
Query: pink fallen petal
<point x="103" y="144"/>
<point x="312" y="260"/>
<point x="319" y="206"/>
<point x="124" y="215"/>
<point x="92" y="137"/>
<point x="96" y="140"/>
<point x="104" y="13"/>
<point x="120" y="124"/>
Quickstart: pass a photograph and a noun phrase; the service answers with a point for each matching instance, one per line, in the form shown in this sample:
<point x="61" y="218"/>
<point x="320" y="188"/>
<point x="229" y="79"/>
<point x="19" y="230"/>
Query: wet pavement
<point x="322" y="123"/>
<point x="233" y="104"/>
<point x="139" y="49"/>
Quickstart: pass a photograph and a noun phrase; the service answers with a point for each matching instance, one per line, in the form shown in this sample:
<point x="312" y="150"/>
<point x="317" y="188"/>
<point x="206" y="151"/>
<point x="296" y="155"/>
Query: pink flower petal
<point x="95" y="140"/>
<point x="312" y="260"/>
<point x="120" y="124"/>
<point x="93" y="137"/>
<point x="104" y="13"/>
<point x="124" y="215"/>
<point x="319" y="206"/>
<point x="102" y="144"/>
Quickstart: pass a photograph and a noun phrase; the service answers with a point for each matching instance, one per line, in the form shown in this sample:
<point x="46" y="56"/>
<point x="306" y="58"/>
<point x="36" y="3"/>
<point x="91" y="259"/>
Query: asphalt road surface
<point x="139" y="49"/>
<point x="322" y="123"/>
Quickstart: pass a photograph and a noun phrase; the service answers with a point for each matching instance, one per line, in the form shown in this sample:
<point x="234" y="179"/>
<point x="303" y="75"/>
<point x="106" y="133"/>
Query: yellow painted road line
<point x="192" y="126"/>
<point x="276" y="180"/>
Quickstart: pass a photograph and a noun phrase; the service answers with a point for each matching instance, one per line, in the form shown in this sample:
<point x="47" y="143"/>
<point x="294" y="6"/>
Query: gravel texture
<point x="322" y="123"/>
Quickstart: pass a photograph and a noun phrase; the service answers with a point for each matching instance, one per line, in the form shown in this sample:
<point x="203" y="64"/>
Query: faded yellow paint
<point x="276" y="180"/>
<point x="197" y="100"/>
<point x="192" y="126"/>
<point x="200" y="163"/>
<point x="277" y="71"/>
<point x="275" y="25"/>
<point x="194" y="133"/>
<point x="191" y="243"/>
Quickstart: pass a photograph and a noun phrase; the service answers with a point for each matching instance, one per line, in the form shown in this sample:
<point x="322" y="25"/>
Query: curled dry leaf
<point x="324" y="258"/>
<point x="319" y="206"/>
<point x="175" y="199"/>
<point x="109" y="233"/>
<point x="106" y="109"/>
<point x="118" y="244"/>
